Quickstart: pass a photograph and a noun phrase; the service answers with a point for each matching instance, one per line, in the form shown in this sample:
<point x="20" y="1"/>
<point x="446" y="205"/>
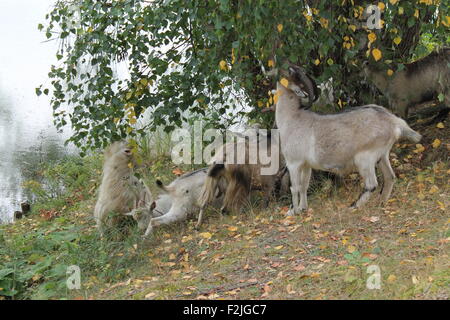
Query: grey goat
<point x="341" y="143"/>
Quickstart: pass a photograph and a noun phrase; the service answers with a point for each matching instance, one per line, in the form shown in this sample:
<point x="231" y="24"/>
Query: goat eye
<point x="187" y="191"/>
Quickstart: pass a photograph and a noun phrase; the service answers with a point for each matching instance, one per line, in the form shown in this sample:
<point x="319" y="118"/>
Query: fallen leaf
<point x="436" y="143"/>
<point x="391" y="278"/>
<point x="150" y="295"/>
<point x="177" y="171"/>
<point x="206" y="235"/>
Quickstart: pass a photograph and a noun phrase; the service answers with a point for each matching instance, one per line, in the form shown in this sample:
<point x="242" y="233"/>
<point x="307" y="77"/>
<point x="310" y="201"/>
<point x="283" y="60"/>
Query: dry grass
<point x="322" y="254"/>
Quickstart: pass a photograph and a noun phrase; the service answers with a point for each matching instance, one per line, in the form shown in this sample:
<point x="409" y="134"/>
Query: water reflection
<point x="25" y="143"/>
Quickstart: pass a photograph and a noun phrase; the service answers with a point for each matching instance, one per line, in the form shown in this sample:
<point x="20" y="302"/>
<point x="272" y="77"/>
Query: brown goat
<point x="418" y="82"/>
<point x="240" y="178"/>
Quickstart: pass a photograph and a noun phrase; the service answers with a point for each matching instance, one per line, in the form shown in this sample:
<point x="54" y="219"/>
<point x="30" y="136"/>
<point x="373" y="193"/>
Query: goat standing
<point x="355" y="140"/>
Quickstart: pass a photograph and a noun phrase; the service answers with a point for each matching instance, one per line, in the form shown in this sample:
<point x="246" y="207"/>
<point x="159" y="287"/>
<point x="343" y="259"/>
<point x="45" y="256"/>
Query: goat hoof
<point x="145" y="237"/>
<point x="291" y="212"/>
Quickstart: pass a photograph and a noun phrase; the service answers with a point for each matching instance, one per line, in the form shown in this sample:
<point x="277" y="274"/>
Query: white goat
<point x="355" y="140"/>
<point x="180" y="199"/>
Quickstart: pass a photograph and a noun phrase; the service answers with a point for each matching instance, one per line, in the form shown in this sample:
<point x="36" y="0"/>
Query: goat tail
<point x="411" y="135"/>
<point x="406" y="132"/>
<point x="211" y="184"/>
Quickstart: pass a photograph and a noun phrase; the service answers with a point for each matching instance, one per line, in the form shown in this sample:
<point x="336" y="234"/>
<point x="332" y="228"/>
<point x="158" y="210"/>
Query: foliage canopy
<point x="204" y="57"/>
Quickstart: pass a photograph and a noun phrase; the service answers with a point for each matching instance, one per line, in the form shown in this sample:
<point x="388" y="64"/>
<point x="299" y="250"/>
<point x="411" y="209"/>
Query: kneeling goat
<point x="355" y="140"/>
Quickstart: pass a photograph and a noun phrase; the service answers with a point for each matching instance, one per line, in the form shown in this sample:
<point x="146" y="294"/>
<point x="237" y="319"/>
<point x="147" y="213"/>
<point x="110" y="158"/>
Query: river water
<point x="27" y="134"/>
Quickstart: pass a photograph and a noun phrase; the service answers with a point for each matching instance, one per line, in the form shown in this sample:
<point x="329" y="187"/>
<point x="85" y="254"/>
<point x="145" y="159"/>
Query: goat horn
<point x="310" y="86"/>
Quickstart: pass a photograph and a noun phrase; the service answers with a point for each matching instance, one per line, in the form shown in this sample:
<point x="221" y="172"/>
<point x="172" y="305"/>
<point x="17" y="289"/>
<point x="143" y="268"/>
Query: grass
<point x="259" y="254"/>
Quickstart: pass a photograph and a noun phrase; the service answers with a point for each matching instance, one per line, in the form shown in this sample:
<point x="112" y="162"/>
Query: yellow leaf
<point x="317" y="62"/>
<point x="284" y="82"/>
<point x="381" y="5"/>
<point x="393" y="1"/>
<point x="260" y="104"/>
<point x="129" y="95"/>
<point x="436" y="143"/>
<point x="372" y="37"/>
<point x="352" y="27"/>
<point x="275" y="97"/>
<point x="400" y="10"/>
<point x="144" y="82"/>
<point x="206" y="235"/>
<point x="280" y="27"/>
<point x="324" y="22"/>
<point x="440" y="125"/>
<point x="232" y="229"/>
<point x="391" y="278"/>
<point x="307" y="15"/>
<point x="351" y="249"/>
<point x="446" y="21"/>
<point x="223" y="65"/>
<point x="390" y="72"/>
<point x="397" y="40"/>
<point x="416" y="13"/>
<point x="278" y="247"/>
<point x="434" y="189"/>
<point x="376" y="53"/>
<point x="419" y="148"/>
<point x="270" y="63"/>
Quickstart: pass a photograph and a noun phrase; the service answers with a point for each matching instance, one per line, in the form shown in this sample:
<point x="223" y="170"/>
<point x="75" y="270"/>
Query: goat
<point x="180" y="199"/>
<point x="240" y="178"/>
<point x="120" y="191"/>
<point x="416" y="83"/>
<point x="341" y="143"/>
